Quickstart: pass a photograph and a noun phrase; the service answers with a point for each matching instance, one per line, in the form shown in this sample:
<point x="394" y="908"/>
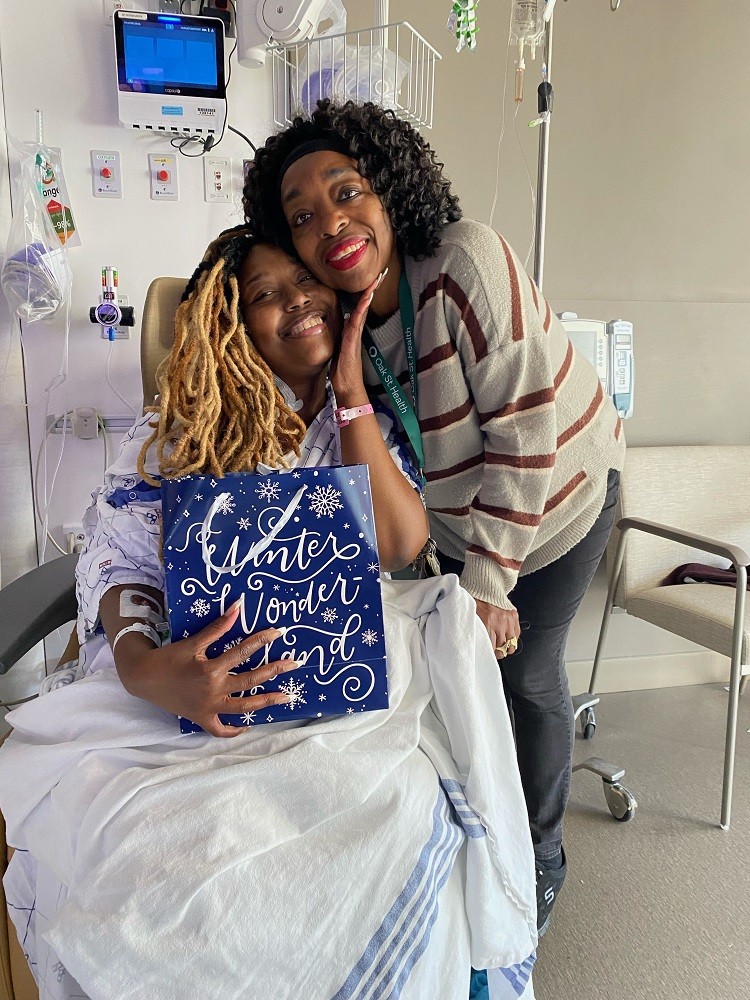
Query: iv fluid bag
<point x="527" y="23"/>
<point x="35" y="275"/>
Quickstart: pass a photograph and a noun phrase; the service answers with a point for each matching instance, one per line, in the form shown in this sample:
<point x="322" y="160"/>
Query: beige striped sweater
<point x="518" y="435"/>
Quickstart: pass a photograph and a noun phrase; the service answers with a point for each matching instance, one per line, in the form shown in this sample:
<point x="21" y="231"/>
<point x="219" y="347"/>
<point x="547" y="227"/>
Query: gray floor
<point x="659" y="907"/>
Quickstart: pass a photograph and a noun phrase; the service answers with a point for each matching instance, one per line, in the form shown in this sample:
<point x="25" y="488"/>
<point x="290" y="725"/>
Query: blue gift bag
<point x="298" y="549"/>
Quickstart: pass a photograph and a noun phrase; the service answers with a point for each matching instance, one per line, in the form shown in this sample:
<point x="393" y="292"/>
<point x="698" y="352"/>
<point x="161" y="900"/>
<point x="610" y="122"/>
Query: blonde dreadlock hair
<point x="219" y="408"/>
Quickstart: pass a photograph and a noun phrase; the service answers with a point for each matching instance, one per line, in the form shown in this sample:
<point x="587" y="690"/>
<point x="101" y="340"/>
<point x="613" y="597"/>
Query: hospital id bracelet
<point x="147" y="630"/>
<point x="342" y="416"/>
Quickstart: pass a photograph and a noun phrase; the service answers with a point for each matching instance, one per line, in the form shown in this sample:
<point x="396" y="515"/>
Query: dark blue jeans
<point x="535" y="680"/>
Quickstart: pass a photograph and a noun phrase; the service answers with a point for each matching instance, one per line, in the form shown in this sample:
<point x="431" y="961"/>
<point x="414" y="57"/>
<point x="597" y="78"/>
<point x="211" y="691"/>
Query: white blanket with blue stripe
<point x="369" y="857"/>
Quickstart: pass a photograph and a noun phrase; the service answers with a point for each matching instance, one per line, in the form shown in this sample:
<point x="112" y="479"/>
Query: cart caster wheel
<point x="588" y="724"/>
<point x="621" y="802"/>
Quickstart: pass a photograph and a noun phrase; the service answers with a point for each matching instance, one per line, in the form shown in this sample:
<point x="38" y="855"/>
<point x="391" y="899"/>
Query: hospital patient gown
<point x="379" y="855"/>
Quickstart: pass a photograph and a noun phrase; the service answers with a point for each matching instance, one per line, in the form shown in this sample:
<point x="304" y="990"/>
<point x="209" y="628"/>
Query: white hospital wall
<point x="648" y="219"/>
<point x="59" y="57"/>
<point x="17" y="539"/>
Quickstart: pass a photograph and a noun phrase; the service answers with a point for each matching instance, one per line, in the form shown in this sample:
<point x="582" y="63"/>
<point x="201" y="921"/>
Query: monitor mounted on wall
<point x="170" y="72"/>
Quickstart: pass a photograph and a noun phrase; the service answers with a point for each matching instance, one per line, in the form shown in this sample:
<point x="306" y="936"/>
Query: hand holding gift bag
<point x="298" y="552"/>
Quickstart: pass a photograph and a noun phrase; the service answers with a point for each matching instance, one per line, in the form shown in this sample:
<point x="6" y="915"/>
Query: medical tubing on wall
<point x="43" y="519"/>
<point x="111" y="384"/>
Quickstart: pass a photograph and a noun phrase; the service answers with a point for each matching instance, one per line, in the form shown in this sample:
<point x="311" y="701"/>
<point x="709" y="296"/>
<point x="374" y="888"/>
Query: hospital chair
<point x="684" y="505"/>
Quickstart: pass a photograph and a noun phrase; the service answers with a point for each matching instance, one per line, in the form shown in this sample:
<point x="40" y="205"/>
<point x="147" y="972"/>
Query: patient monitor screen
<point x="160" y="54"/>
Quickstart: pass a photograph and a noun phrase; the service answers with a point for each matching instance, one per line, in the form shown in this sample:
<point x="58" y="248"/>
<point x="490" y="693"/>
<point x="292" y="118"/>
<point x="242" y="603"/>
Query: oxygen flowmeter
<point x="109" y="314"/>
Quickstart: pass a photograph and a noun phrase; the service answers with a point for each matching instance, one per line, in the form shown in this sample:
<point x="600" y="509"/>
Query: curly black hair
<point x="390" y="154"/>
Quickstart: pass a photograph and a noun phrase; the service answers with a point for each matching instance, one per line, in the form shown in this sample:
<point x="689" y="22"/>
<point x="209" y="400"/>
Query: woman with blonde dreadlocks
<point x="372" y="855"/>
<point x="246" y="387"/>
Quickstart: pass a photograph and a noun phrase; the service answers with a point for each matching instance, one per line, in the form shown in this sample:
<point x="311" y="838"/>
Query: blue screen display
<point x="164" y="55"/>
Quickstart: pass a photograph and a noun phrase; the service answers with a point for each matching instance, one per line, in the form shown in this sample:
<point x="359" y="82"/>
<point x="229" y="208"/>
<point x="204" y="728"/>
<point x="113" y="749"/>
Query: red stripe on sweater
<point x="516" y="316"/>
<point x="453" y="511"/>
<point x="527" y="402"/>
<point x="522" y="461"/>
<point x="503" y="561"/>
<point x="507" y="514"/>
<point x="557" y="499"/>
<point x="547" y="319"/>
<point x="565" y="367"/>
<point x="440" y="353"/>
<point x="587" y="417"/>
<point x="443" y="420"/>
<point x="618" y="429"/>
<point x="455" y="470"/>
<point x="445" y="284"/>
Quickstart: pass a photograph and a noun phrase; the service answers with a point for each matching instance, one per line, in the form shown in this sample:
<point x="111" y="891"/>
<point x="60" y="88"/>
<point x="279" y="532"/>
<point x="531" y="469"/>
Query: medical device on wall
<point x="109" y="314"/>
<point x="262" y="21"/>
<point x="170" y="72"/>
<point x="609" y="348"/>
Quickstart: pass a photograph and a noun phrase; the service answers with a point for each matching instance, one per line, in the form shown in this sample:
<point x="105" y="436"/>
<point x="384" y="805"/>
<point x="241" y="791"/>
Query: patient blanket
<point x="377" y="855"/>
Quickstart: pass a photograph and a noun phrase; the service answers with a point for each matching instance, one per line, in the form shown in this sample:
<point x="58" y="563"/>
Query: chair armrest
<point x="737" y="555"/>
<point x="34" y="605"/>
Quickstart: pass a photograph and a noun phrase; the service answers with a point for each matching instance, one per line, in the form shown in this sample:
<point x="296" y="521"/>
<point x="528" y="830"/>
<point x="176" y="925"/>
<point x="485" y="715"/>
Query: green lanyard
<point x="399" y="401"/>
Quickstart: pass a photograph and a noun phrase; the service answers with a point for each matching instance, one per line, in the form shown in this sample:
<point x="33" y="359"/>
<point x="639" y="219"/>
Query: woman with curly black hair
<point x="520" y="447"/>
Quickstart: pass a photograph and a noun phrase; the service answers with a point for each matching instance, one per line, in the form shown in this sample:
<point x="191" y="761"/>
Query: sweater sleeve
<point x="502" y="337"/>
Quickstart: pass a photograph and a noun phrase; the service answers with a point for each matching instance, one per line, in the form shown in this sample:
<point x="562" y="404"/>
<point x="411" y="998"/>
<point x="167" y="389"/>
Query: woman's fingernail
<point x="290" y="665"/>
<point x="231" y="607"/>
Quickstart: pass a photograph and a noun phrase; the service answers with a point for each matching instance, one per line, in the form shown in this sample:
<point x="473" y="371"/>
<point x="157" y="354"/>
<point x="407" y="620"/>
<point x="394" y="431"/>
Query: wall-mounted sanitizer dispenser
<point x="609" y="348"/>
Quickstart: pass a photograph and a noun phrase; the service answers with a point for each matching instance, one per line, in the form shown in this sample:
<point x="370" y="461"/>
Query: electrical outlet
<point x="217" y="178"/>
<point x="169" y="6"/>
<point x="74" y="537"/>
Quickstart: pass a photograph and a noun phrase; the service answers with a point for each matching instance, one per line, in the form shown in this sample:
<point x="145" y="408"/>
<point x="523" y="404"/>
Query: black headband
<point x="331" y="142"/>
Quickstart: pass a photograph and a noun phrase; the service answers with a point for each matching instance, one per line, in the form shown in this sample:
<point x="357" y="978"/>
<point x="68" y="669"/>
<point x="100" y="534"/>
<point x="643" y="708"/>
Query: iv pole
<point x="621" y="802"/>
<point x="543" y="166"/>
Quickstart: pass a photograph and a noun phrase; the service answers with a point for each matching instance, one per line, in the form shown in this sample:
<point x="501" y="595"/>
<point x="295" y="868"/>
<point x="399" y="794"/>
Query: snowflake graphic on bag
<point x="227" y="505"/>
<point x="268" y="490"/>
<point x="296" y="692"/>
<point x="325" y="501"/>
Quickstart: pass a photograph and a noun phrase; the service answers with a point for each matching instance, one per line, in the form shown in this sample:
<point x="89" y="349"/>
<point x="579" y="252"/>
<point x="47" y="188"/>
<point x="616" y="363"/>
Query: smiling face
<point x="339" y="226"/>
<point x="292" y="319"/>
